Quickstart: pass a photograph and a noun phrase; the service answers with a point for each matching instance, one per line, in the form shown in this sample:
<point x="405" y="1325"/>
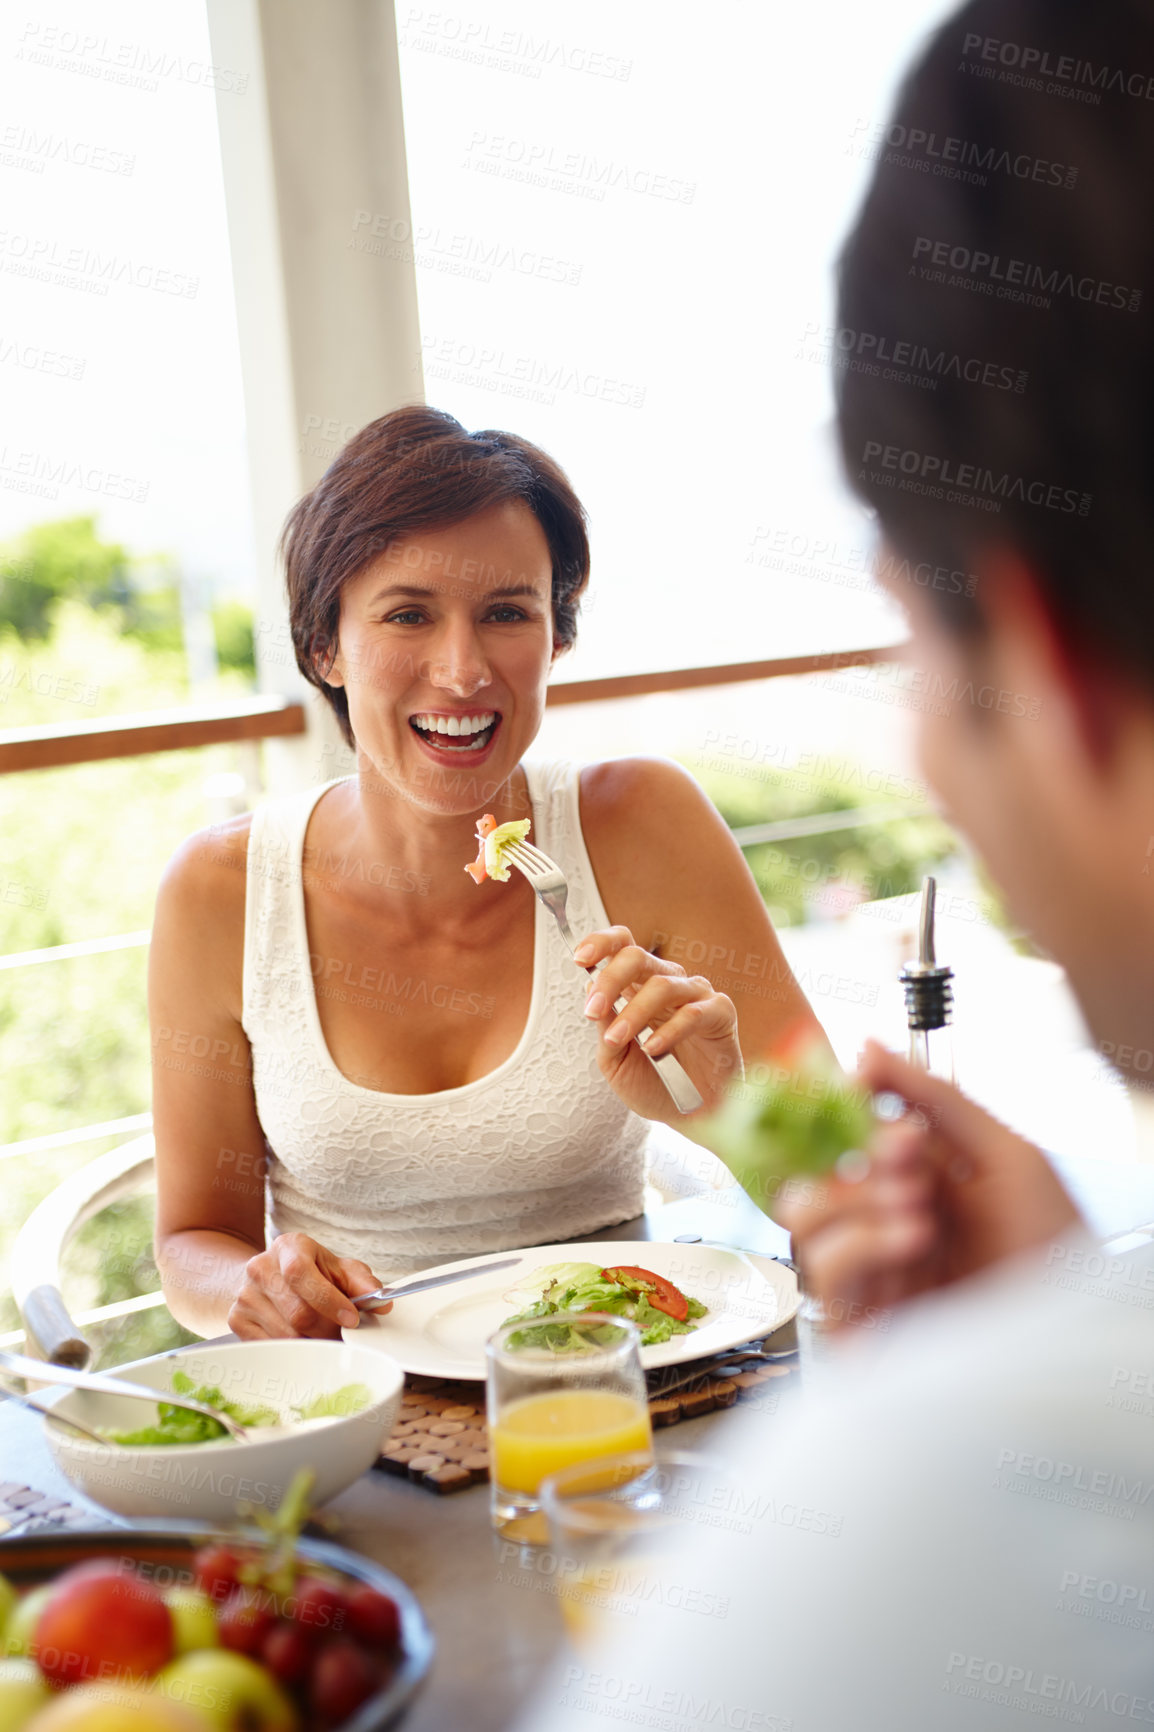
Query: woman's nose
<point x="459" y="665"/>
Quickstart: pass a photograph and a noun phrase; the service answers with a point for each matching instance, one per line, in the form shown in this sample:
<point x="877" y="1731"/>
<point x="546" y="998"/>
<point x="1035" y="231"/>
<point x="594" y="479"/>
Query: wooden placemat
<point x="441" y="1441"/>
<point x="24" y="1510"/>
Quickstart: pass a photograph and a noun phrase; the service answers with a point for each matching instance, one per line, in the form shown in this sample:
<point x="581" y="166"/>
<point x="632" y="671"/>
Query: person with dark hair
<point x="351" y="1037"/>
<point x="412" y="471"/>
<point x="1042" y="275"/>
<point x="955" y="1529"/>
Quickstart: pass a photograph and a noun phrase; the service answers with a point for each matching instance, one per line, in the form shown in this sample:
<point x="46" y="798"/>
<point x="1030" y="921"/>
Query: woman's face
<point x="445" y="646"/>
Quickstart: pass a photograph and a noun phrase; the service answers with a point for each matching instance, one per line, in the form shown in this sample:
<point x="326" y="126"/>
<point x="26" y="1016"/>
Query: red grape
<point x="374" y="1618"/>
<point x="342" y="1678"/>
<point x="245" y="1620"/>
<point x="287" y="1651"/>
<point x="318" y="1604"/>
<point x="217" y="1571"/>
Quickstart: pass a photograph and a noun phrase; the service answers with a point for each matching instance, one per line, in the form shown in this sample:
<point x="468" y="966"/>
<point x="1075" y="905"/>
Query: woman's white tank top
<point x="538" y="1150"/>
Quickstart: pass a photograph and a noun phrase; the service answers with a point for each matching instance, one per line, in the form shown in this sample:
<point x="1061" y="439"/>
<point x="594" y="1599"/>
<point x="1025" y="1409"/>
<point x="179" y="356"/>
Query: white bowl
<point x="206" y="1481"/>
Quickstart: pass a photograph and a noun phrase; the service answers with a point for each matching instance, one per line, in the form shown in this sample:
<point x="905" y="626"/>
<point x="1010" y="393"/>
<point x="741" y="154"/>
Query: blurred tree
<point x="55" y="560"/>
<point x="87" y="629"/>
<point x="232" y="625"/>
<point x="67" y="560"/>
<point x="810" y="877"/>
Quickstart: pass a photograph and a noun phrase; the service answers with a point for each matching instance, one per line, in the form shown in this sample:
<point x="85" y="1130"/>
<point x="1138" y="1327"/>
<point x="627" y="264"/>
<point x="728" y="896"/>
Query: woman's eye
<point x="415" y="616"/>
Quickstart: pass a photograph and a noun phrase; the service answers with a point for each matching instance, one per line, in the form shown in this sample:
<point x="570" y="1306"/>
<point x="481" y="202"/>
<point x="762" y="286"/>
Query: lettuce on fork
<point x="493" y="839"/>
<point x="798" y="1118"/>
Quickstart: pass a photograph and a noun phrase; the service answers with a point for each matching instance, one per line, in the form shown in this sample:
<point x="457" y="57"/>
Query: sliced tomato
<point x="661" y="1294"/>
<point x="477" y="869"/>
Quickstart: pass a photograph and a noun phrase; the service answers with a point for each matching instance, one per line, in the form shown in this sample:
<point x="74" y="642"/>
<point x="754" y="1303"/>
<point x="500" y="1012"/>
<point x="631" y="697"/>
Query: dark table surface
<point x="492" y="1607"/>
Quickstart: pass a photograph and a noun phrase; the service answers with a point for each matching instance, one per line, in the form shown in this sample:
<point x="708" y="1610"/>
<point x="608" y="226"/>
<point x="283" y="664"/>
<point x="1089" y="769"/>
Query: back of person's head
<point x="996" y="315"/>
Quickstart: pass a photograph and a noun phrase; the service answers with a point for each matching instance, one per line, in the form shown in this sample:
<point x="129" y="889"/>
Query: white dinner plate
<point x="442" y="1333"/>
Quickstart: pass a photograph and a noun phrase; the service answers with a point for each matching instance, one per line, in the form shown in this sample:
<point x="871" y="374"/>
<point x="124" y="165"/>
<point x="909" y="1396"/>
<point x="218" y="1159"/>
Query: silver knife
<point x="398" y="1289"/>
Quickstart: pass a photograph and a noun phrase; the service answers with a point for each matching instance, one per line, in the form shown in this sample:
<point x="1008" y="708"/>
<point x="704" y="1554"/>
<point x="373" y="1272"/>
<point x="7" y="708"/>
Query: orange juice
<point x="597" y="1594"/>
<point x="539" y="1434"/>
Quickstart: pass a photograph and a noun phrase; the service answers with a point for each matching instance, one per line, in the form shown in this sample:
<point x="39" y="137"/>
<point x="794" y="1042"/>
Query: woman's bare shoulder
<point x="207" y="872"/>
<point x="623" y="799"/>
<point x="651" y="833"/>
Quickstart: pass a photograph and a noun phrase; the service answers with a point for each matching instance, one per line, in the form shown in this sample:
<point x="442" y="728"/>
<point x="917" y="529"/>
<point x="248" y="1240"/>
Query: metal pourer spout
<point x="929" y="994"/>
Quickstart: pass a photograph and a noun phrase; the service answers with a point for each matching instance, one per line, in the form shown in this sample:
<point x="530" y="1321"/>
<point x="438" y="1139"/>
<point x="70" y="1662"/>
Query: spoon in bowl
<point x="16" y="1365"/>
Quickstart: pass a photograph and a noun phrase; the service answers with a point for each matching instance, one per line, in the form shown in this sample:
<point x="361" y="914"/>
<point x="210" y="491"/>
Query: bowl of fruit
<point x="325" y="1405"/>
<point x="176" y="1628"/>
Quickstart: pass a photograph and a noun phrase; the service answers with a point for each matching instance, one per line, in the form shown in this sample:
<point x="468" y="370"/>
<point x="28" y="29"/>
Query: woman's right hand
<point x="296" y="1287"/>
<point x="949" y="1191"/>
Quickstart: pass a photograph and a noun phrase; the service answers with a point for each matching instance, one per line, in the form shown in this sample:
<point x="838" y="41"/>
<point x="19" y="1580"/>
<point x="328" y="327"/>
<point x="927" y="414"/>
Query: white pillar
<point x="329" y="333"/>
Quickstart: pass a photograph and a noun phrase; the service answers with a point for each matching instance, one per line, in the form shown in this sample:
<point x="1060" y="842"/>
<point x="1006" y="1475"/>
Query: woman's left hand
<point x="686" y="1015"/>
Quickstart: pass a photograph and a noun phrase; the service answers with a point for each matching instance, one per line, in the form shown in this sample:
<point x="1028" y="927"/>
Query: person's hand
<point x="297" y="1287"/>
<point x="686" y="1015"/>
<point x="948" y="1191"/>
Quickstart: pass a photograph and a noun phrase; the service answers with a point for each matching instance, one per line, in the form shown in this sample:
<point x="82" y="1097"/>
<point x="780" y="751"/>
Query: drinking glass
<point x="563" y="1390"/>
<point x="617" y="1530"/>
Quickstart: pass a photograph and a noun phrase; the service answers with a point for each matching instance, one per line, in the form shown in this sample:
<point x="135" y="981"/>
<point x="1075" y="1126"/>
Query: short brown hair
<point x="1048" y="432"/>
<point x="417" y="469"/>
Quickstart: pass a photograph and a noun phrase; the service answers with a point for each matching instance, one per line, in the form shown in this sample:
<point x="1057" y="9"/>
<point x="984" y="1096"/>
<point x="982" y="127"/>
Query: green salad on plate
<point x="659" y="1309"/>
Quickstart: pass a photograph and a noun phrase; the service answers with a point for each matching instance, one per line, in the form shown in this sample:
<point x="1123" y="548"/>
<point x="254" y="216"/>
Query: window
<point x="624" y="222"/>
<point x="118" y="355"/>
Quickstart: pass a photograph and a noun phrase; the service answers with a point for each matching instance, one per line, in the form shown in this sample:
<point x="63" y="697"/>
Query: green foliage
<point x="823" y="874"/>
<point x="81" y="853"/>
<point x="137" y="1336"/>
<point x="153" y="617"/>
<point x="109" y="1260"/>
<point x="54" y="561"/>
<point x="232" y="624"/>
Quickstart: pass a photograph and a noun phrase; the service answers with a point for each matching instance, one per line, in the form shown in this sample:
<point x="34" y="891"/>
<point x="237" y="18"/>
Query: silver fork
<point x="550" y="885"/>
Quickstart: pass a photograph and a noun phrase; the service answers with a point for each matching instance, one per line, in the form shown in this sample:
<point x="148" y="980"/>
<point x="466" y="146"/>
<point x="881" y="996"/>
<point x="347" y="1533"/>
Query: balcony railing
<point x="262" y="717"/>
<point x="132" y="736"/>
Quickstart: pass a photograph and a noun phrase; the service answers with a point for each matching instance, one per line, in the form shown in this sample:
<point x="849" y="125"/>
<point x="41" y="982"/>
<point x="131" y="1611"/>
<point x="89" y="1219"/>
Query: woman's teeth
<point x="470" y="731"/>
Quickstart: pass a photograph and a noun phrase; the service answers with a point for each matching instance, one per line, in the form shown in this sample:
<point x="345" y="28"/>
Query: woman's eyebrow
<point x="406" y="589"/>
<point x="412" y="590"/>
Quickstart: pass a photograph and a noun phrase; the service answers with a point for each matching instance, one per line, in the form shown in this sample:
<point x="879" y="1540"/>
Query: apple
<point x="229" y="1691"/>
<point x="114" y="1708"/>
<point x="101" y="1620"/>
<point x="23" y="1619"/>
<point x="193" y="1619"/>
<point x="23" y="1689"/>
<point x="8" y="1599"/>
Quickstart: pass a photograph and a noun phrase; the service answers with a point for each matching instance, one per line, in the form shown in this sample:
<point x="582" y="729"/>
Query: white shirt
<point x="537" y="1150"/>
<point x="954" y="1529"/>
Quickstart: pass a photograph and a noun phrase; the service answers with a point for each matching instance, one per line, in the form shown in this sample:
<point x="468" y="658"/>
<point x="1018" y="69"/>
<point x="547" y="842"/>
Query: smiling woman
<point x="445" y="644"/>
<point x="406" y="1076"/>
<point x="410" y="472"/>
